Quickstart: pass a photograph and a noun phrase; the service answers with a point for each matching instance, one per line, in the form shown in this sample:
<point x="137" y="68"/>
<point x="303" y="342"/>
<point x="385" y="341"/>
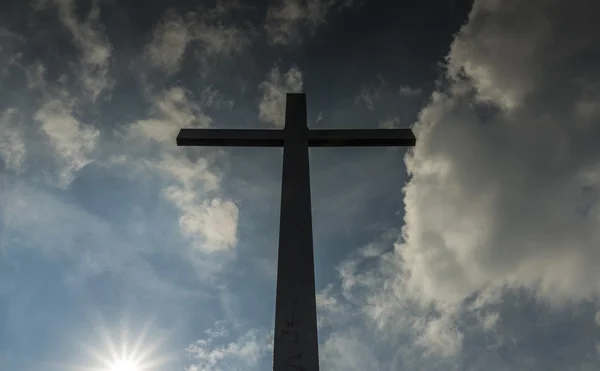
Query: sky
<point x="476" y="249"/>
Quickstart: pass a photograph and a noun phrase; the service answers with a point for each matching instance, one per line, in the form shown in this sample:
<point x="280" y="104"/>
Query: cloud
<point x="505" y="177"/>
<point x="12" y="145"/>
<point x="71" y="141"/>
<point x="10" y="34"/>
<point x="212" y="224"/>
<point x="216" y="38"/>
<point x="11" y="41"/>
<point x="274" y="89"/>
<point x="439" y="336"/>
<point x="370" y="95"/>
<point x="34" y="72"/>
<point x="407" y="91"/>
<point x="189" y="173"/>
<point x="170" y="39"/>
<point x="57" y="114"/>
<point x="331" y="310"/>
<point x="84" y="243"/>
<point x="504" y="183"/>
<point x="346" y="350"/>
<point x="35" y="75"/>
<point x="390" y="123"/>
<point x="91" y="41"/>
<point x="287" y="20"/>
<point x="242" y="353"/>
<point x="490" y="321"/>
<point x="172" y="110"/>
<point x="504" y="194"/>
<point x="208" y="219"/>
<point x="213" y="98"/>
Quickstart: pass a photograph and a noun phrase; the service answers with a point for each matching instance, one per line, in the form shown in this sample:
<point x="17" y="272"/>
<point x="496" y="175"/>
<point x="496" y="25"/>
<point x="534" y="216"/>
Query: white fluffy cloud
<point x="169" y="42"/>
<point x="274" y="89"/>
<point x="348" y="351"/>
<point x="287" y="20"/>
<point x="59" y="107"/>
<point x="506" y="172"/>
<point x="172" y="110"/>
<point x="242" y="353"/>
<point x="212" y="223"/>
<point x="90" y="39"/>
<point x="505" y="180"/>
<point x="216" y="38"/>
<point x="390" y="123"/>
<point x="209" y="222"/>
<point x="439" y="336"/>
<point x="490" y="321"/>
<point x="370" y="95"/>
<point x="207" y="219"/>
<point x="71" y="141"/>
<point x="12" y="145"/>
<point x="407" y="91"/>
<point x="189" y="173"/>
<point x="86" y="243"/>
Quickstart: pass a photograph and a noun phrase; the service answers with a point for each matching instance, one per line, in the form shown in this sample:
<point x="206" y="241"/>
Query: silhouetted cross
<point x="296" y="343"/>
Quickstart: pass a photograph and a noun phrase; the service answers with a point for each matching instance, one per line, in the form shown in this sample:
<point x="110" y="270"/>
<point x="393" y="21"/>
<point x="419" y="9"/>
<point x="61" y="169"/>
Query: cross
<point x="295" y="343"/>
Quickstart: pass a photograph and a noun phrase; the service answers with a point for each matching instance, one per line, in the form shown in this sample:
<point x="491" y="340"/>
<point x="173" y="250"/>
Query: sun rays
<point x="117" y="348"/>
<point x="125" y="365"/>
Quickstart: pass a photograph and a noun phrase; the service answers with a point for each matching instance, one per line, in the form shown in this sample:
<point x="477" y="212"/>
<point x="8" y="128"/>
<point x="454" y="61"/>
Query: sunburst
<point x="115" y="349"/>
<point x="125" y="365"/>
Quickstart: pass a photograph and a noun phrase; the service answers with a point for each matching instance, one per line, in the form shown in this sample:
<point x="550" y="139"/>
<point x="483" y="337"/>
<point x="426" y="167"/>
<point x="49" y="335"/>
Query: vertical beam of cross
<point x="295" y="341"/>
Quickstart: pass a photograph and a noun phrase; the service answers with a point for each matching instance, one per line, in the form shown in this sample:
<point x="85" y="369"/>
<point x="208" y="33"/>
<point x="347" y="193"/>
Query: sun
<point x="124" y="345"/>
<point x="125" y="365"/>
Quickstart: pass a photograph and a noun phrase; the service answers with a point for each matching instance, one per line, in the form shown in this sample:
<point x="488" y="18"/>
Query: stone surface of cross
<point x="296" y="343"/>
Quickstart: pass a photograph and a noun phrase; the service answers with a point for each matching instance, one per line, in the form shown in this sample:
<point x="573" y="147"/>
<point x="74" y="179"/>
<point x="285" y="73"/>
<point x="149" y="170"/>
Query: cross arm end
<point x="230" y="137"/>
<point x="361" y="138"/>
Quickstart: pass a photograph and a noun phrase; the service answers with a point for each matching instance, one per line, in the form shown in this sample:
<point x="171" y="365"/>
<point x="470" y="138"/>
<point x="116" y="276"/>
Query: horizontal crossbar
<point x="361" y="138"/>
<point x="316" y="138"/>
<point x="230" y="137"/>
